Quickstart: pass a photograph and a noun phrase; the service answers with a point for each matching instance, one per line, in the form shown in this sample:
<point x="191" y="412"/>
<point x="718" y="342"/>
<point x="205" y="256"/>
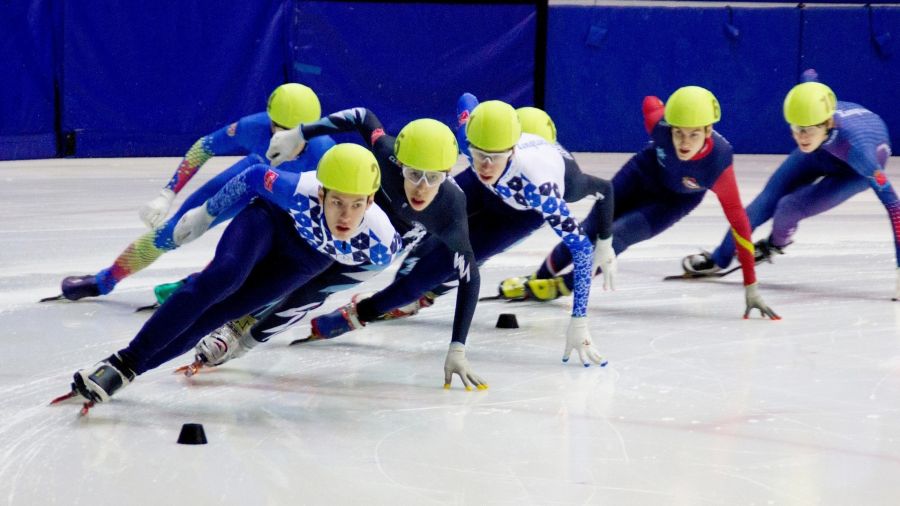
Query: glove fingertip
<point x="482" y="387"/>
<point x="468" y="388"/>
<point x="446" y="386"/>
<point x="587" y="364"/>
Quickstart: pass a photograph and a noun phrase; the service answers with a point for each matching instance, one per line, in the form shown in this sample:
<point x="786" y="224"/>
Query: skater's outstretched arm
<point x="223" y="140"/>
<point x="259" y="180"/>
<point x="726" y="190"/>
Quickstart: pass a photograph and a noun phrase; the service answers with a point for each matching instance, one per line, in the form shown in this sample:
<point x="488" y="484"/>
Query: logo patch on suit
<point x="661" y="156"/>
<point x="690" y="183"/>
<point x="880" y="177"/>
<point x="376" y="134"/>
<point x="269" y="179"/>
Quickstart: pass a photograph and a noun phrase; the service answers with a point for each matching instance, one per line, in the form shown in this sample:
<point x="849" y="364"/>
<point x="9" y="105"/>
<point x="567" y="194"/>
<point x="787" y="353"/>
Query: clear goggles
<point x="416" y="176"/>
<point x="481" y="156"/>
<point x="807" y="130"/>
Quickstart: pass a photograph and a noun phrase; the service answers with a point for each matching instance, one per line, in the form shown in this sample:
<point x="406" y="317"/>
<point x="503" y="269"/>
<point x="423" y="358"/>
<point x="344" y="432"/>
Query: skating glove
<point x="605" y="259"/>
<point x="154" y="213"/>
<point x="285" y="146"/>
<point x="192" y="225"/>
<point x="340" y="321"/>
<point x="578" y="338"/>
<point x="456" y="363"/>
<point x="755" y="301"/>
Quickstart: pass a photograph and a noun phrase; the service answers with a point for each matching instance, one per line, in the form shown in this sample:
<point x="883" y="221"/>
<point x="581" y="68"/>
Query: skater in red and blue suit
<point x="659" y="186"/>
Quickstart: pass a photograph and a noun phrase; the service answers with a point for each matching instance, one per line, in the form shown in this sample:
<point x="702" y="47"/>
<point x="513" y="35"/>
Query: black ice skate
<point x="700" y="265"/>
<point x="764" y="250"/>
<point x="77" y="287"/>
<point x="98" y="383"/>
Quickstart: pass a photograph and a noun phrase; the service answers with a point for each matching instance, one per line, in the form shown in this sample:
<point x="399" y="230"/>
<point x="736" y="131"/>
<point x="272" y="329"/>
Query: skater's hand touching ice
<point x="578" y="338"/>
<point x="456" y="363"/>
<point x="755" y="301"/>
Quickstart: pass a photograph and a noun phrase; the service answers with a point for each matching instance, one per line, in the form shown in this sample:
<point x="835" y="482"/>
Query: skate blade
<point x="392" y="316"/>
<point x="151" y="307"/>
<point x="305" y="340"/>
<point x="85" y="408"/>
<point x="190" y="369"/>
<point x="504" y="299"/>
<point x="51" y="299"/>
<point x="692" y="275"/>
<point x="85" y="405"/>
<point x="63" y="398"/>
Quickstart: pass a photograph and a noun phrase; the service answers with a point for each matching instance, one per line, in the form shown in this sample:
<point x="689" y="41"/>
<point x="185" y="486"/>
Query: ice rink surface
<point x="696" y="407"/>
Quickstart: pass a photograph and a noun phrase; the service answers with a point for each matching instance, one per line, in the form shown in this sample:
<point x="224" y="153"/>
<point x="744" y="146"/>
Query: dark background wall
<point x="117" y="78"/>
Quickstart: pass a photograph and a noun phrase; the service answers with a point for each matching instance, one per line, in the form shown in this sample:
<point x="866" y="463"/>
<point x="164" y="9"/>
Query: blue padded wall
<point x="27" y="66"/>
<point x="140" y="81"/>
<point x="406" y="61"/>
<point x="858" y="68"/>
<point x="603" y="60"/>
<point x="134" y="81"/>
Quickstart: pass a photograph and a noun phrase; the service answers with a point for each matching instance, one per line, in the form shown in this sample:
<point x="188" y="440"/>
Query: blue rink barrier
<point x="602" y="61"/>
<point x="862" y="64"/>
<point x="142" y="82"/>
<point x="407" y="61"/>
<point x="27" y="88"/>
<point x="95" y="78"/>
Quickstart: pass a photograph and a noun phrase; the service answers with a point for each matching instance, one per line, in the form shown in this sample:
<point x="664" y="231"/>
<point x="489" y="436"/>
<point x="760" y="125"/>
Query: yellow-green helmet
<point x="292" y="103"/>
<point x="536" y="121"/>
<point x="349" y="168"/>
<point x="426" y="144"/>
<point x="692" y="107"/>
<point x="493" y="126"/>
<point x="809" y="104"/>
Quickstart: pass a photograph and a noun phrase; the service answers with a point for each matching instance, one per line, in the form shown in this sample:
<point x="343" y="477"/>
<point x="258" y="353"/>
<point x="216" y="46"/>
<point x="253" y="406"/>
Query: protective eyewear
<point x="807" y="130"/>
<point x="481" y="156"/>
<point x="416" y="176"/>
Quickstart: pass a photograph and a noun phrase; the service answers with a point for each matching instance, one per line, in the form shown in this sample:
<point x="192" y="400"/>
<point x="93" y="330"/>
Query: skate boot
<point x="99" y="383"/>
<point x="513" y="288"/>
<point x="531" y="288"/>
<point x="79" y="287"/>
<point x="426" y="300"/>
<point x="764" y="250"/>
<point x="165" y="290"/>
<point x="700" y="264"/>
<point x="330" y="325"/>
<point x="223" y="344"/>
<point x="232" y="340"/>
<point x="546" y="289"/>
